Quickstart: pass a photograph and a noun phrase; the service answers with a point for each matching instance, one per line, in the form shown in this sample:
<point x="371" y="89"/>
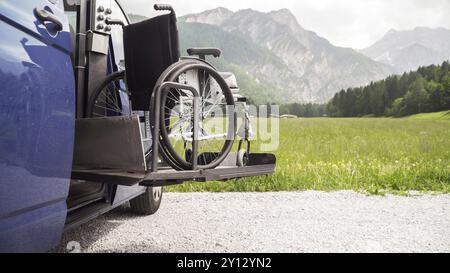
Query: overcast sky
<point x="348" y="23"/>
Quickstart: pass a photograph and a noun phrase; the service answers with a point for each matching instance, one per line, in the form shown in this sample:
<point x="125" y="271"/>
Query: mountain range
<point x="277" y="60"/>
<point x="407" y="50"/>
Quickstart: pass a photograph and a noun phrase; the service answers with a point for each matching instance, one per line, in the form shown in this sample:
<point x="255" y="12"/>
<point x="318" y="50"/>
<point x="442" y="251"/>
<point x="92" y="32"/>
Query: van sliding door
<point x="37" y="119"/>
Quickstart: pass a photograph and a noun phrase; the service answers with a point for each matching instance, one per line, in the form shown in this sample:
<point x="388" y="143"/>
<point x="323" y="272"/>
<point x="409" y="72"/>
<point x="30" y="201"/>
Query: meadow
<point x="372" y="155"/>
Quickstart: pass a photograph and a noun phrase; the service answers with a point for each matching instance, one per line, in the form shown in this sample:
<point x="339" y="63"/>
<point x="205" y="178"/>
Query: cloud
<point x="349" y="23"/>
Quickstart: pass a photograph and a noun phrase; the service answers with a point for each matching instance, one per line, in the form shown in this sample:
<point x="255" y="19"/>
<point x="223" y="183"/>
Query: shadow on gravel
<point x="86" y="235"/>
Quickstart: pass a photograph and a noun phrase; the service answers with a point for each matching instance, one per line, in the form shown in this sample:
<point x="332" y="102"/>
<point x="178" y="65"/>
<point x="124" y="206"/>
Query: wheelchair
<point x="189" y="106"/>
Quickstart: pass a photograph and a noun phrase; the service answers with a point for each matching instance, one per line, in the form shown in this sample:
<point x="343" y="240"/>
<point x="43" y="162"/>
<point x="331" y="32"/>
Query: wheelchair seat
<point x="150" y="47"/>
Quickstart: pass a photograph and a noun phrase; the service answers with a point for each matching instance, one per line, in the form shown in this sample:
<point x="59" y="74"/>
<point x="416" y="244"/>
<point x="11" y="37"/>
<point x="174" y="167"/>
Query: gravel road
<point x="274" y="222"/>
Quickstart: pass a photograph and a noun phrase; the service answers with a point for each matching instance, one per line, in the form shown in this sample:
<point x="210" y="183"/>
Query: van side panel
<point x="37" y="120"/>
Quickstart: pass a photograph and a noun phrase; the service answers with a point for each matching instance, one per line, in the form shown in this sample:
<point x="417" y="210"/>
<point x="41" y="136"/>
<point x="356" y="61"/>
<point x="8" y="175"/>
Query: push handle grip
<point x="163" y="7"/>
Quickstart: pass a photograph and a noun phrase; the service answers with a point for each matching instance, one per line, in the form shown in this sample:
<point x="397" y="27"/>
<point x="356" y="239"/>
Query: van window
<point x="117" y="34"/>
<point x="71" y="10"/>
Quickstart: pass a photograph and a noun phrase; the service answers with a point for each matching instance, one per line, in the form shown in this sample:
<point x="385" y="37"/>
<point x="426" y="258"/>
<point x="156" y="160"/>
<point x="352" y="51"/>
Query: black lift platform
<point x="165" y="177"/>
<point x="109" y="150"/>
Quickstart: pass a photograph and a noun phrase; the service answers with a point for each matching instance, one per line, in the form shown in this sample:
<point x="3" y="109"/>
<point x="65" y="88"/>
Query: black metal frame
<point x="156" y="108"/>
<point x="81" y="64"/>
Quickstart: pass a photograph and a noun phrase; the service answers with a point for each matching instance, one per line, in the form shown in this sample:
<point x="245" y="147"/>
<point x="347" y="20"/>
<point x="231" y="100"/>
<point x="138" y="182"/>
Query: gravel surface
<point x="274" y="222"/>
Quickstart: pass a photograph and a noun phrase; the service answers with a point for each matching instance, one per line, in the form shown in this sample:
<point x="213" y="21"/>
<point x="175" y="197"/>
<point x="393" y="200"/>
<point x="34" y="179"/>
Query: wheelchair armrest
<point x="202" y="52"/>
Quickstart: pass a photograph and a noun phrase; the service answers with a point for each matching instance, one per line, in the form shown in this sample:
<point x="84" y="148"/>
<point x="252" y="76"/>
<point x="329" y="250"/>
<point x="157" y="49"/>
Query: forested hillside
<point x="424" y="90"/>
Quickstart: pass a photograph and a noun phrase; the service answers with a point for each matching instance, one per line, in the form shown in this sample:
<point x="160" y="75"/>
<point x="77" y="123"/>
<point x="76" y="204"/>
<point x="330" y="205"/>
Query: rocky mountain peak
<point x="390" y="32"/>
<point x="286" y="17"/>
<point x="406" y="50"/>
<point x="215" y="16"/>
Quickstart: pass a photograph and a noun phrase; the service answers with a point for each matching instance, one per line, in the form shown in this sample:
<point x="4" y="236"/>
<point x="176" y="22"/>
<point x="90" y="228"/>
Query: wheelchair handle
<point x="117" y="22"/>
<point x="168" y="8"/>
<point x="163" y="7"/>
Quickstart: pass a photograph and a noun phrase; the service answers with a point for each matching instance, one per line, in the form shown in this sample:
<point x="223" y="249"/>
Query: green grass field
<point x="374" y="155"/>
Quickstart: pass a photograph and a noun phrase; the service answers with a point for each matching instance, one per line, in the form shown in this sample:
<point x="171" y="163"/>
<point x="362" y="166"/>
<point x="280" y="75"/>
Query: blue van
<point x="48" y="63"/>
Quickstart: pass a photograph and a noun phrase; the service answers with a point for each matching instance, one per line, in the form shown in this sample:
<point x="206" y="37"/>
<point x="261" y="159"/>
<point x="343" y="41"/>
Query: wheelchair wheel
<point x="217" y="121"/>
<point x="105" y="100"/>
<point x="110" y="99"/>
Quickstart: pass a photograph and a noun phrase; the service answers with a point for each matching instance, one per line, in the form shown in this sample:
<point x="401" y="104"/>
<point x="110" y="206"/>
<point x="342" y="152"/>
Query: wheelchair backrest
<point x="150" y="47"/>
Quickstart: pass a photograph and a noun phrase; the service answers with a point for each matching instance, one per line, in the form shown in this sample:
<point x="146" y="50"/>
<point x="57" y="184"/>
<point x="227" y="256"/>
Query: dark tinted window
<point x="117" y="33"/>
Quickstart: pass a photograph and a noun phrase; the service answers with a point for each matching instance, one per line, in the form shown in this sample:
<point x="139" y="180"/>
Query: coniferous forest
<point x="424" y="90"/>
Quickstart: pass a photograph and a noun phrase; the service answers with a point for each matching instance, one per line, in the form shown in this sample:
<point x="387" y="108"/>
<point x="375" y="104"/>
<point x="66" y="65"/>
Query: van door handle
<point x="45" y="16"/>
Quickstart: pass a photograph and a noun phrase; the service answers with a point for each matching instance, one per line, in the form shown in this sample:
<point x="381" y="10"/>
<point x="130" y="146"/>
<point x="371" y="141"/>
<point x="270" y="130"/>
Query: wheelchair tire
<point x="169" y="152"/>
<point x="93" y="100"/>
<point x="100" y="106"/>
